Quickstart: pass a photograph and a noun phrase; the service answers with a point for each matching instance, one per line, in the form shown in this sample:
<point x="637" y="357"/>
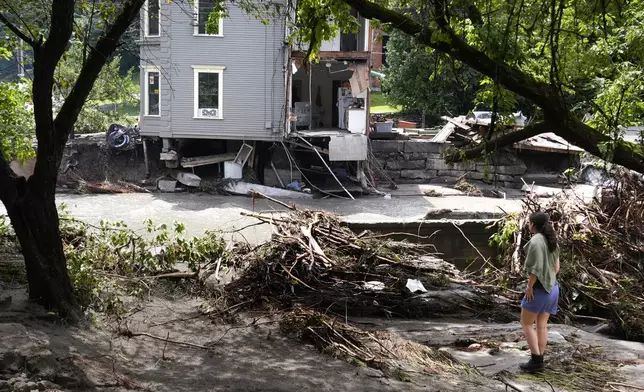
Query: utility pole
<point x="20" y="57"/>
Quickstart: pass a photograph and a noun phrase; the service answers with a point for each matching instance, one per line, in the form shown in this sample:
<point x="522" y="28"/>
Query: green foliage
<point x="321" y="20"/>
<point x="109" y="261"/>
<point x="590" y="53"/>
<point x="507" y="230"/>
<point x="314" y="21"/>
<point x="421" y="79"/>
<point x="109" y="88"/>
<point x="16" y="122"/>
<point x="5" y="227"/>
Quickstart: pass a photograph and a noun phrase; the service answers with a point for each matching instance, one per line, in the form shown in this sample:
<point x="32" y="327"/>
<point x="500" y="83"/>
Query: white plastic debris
<point x="374" y="285"/>
<point x="415" y="286"/>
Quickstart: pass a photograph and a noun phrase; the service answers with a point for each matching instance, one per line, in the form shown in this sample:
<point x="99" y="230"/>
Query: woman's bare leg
<point x="527" y="321"/>
<point x="542" y="331"/>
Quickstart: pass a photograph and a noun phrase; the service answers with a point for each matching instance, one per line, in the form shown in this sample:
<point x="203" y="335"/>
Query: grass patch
<point x="379" y="104"/>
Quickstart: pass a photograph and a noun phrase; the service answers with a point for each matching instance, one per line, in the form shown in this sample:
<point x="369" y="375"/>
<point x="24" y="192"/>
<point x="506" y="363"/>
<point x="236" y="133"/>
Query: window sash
<point x="152" y="18"/>
<point x="152" y="93"/>
<point x="203" y="8"/>
<point x="208" y="90"/>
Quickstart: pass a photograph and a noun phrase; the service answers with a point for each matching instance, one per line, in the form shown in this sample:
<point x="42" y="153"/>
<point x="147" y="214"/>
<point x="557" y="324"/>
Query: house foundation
<point x="420" y="161"/>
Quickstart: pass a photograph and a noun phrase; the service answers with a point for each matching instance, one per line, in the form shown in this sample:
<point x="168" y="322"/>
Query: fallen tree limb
<point x="129" y="334"/>
<point x="504" y="139"/>
<point x="176" y="275"/>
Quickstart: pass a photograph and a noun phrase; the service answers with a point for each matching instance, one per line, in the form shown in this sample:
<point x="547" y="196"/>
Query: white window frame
<point x="219" y="70"/>
<point x="146" y="86"/>
<point x="196" y="24"/>
<point x="146" y="21"/>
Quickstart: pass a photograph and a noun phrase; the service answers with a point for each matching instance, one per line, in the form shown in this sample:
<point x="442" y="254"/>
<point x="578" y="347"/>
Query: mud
<point x="88" y="158"/>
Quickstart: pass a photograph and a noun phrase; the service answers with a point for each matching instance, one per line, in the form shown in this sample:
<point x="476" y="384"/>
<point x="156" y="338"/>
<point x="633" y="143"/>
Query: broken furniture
<point x="234" y="169"/>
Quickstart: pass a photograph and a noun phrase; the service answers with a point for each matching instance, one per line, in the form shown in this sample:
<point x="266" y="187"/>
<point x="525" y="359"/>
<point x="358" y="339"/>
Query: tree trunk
<point x="35" y="219"/>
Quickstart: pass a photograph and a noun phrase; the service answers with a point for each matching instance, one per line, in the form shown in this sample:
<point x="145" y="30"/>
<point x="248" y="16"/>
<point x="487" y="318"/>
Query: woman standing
<point x="542" y="293"/>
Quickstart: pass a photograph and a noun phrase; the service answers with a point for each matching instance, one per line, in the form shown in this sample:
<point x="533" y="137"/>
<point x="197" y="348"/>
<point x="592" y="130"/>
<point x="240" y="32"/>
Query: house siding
<point x="253" y="55"/>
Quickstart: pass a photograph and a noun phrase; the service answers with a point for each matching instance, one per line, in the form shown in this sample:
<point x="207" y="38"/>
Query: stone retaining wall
<point x="421" y="161"/>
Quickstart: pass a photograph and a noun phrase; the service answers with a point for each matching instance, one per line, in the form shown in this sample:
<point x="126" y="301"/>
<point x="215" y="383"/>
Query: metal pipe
<point x="145" y="157"/>
<point x="327" y="166"/>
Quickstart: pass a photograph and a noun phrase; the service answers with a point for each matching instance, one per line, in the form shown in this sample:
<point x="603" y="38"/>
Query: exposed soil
<point x="88" y="158"/>
<point x="175" y="346"/>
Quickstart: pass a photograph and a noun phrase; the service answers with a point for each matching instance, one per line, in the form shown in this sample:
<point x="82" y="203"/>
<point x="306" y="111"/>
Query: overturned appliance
<point x="120" y="138"/>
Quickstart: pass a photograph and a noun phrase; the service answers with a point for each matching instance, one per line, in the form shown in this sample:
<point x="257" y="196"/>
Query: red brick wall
<point x="376" y="54"/>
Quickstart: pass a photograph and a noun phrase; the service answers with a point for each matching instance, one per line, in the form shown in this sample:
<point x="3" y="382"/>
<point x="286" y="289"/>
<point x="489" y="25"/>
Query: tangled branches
<point x="314" y="261"/>
<point x="602" y="245"/>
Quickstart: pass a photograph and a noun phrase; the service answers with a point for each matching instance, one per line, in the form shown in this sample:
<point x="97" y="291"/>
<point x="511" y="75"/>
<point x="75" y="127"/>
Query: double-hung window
<point x="203" y="9"/>
<point x="152" y="91"/>
<point x="208" y="90"/>
<point x="152" y="18"/>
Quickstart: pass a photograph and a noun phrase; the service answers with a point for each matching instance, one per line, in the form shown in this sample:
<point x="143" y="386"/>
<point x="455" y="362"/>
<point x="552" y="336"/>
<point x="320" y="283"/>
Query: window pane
<point x="208" y="90"/>
<point x="153" y="93"/>
<point x="153" y="17"/>
<point x="205" y="8"/>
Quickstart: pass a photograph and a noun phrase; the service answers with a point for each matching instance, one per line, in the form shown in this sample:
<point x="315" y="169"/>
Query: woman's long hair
<point x="542" y="224"/>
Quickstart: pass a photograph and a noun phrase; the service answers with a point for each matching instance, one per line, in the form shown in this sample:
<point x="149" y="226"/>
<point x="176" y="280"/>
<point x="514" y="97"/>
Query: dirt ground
<point x="175" y="347"/>
<point x="242" y="358"/>
<point x="168" y="342"/>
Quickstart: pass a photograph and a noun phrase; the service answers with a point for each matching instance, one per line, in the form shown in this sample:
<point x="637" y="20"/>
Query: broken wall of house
<point x="421" y="161"/>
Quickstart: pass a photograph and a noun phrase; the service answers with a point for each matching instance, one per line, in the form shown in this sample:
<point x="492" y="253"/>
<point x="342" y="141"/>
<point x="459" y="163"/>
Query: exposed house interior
<point x="331" y="95"/>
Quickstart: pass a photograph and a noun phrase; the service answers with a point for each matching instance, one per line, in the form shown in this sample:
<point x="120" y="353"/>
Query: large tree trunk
<point x="35" y="219"/>
<point x="31" y="202"/>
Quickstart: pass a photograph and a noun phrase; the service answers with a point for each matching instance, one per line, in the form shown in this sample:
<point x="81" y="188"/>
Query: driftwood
<point x="602" y="246"/>
<point x="314" y="261"/>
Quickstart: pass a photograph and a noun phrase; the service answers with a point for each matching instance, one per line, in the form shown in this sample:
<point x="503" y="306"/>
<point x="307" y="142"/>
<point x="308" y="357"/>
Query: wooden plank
<point x="207" y="160"/>
<point x="444" y="133"/>
<point x="457" y="123"/>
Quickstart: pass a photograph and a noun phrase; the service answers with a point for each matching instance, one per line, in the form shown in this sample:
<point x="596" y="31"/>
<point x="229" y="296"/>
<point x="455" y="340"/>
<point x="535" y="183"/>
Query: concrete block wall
<point x="421" y="161"/>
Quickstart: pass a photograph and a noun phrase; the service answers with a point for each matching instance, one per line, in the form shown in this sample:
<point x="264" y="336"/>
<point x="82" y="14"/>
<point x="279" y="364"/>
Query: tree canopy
<point x="419" y="78"/>
<point x="579" y="62"/>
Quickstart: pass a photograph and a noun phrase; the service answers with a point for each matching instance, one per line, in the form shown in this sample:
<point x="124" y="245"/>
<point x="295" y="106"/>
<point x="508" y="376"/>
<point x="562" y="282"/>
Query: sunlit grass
<point x="380" y="105"/>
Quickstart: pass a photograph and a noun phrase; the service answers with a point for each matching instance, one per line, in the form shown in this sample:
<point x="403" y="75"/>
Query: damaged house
<point x="243" y="102"/>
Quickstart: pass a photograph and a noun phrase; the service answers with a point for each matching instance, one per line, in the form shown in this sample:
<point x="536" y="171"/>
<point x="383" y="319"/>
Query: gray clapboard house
<point x="246" y="84"/>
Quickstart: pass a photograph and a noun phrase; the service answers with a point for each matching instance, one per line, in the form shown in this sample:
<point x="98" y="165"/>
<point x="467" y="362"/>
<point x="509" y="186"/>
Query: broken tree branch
<point x="129" y="334"/>
<point x="177" y="275"/>
<point x="254" y="193"/>
<point x="499" y="141"/>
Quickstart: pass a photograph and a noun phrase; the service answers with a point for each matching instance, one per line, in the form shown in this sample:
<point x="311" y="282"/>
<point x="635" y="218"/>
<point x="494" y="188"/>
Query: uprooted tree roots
<point x="314" y="261"/>
<point x="602" y="248"/>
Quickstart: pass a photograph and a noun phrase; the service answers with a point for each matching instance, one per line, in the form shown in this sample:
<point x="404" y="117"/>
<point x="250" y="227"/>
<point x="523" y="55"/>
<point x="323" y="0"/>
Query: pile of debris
<point x="602" y="248"/>
<point x="314" y="261"/>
